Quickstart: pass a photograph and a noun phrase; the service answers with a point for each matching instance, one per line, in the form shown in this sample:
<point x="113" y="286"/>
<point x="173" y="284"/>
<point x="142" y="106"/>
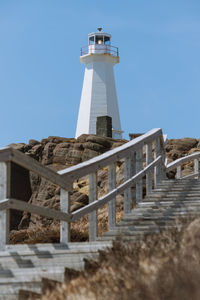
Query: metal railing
<point x="100" y="49"/>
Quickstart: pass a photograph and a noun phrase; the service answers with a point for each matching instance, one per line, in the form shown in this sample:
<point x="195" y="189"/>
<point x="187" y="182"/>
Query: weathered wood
<point x="118" y="190"/>
<point x="190" y="176"/>
<point x="127" y="192"/>
<point x="149" y="159"/>
<point x="4" y="214"/>
<point x="65" y="208"/>
<point x="6" y="154"/>
<point x="39" y="210"/>
<point x="157" y="170"/>
<point x="133" y="172"/>
<point x="19" y="188"/>
<point x="109" y="157"/>
<point x="93" y="222"/>
<point x="65" y="178"/>
<point x="139" y="165"/>
<point x="4" y="204"/>
<point x="10" y="154"/>
<point x="196" y="166"/>
<point x="112" y="203"/>
<point x="178" y="172"/>
<point x="182" y="160"/>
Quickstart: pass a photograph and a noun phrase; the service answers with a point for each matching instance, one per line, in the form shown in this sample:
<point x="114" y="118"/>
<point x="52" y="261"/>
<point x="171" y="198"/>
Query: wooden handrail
<point x="34" y="209"/>
<point x="182" y="160"/>
<point x="9" y="154"/>
<point x="133" y="155"/>
<point x="109" y="196"/>
<point x="111" y="156"/>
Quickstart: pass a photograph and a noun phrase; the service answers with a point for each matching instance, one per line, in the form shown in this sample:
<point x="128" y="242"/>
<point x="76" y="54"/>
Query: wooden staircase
<point x="28" y="269"/>
<point x="24" y="268"/>
<point x="172" y="199"/>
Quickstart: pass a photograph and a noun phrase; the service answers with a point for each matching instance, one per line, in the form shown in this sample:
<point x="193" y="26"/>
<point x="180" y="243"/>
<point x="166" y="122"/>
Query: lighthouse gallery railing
<point x="100" y="49"/>
<point x="143" y="160"/>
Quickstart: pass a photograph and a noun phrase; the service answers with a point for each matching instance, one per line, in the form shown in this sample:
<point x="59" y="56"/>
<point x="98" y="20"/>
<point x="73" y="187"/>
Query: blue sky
<point x="41" y="77"/>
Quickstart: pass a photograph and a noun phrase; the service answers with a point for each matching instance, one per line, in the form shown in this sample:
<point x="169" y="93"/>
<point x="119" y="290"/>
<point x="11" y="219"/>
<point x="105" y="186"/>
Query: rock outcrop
<point x="58" y="153"/>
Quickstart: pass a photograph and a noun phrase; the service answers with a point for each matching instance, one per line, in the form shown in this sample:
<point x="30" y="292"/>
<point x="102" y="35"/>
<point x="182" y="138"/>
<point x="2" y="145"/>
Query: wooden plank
<point x="182" y="160"/>
<point x="139" y="187"/>
<point x="118" y="190"/>
<point x="157" y="169"/>
<point x="93" y="222"/>
<point x="149" y="159"/>
<point x="133" y="172"/>
<point x="112" y="203"/>
<point x="196" y="166"/>
<point x="190" y="176"/>
<point x="127" y="192"/>
<point x="109" y="157"/>
<point x="4" y="204"/>
<point x="39" y="210"/>
<point x="5" y="154"/>
<point x="65" y="208"/>
<point x="11" y="154"/>
<point x="4" y="215"/>
<point x="178" y="172"/>
<point x="43" y="171"/>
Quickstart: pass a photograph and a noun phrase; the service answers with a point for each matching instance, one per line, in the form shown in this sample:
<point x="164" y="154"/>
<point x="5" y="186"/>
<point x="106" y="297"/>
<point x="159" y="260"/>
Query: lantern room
<point x="99" y="43"/>
<point x="99" y="38"/>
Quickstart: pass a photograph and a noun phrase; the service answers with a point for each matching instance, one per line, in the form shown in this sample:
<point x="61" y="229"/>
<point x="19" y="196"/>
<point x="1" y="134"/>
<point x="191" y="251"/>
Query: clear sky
<point x="41" y="76"/>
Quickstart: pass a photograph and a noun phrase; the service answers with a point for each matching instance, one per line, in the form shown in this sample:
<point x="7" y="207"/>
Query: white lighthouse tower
<point x="99" y="96"/>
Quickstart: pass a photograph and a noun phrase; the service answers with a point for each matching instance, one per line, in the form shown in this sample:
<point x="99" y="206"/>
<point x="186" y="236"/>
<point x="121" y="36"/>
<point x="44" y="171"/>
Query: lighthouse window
<point x="91" y="40"/>
<point x="107" y="40"/>
<point x="99" y="40"/>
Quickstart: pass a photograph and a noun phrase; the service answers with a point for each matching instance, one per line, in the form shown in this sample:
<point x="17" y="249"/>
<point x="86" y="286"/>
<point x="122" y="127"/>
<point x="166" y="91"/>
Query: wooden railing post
<point x="112" y="203"/>
<point x="127" y="193"/>
<point x="158" y="169"/>
<point x="178" y="172"/>
<point x="149" y="159"/>
<point x="93" y="225"/>
<point x="4" y="215"/>
<point x="196" y="167"/>
<point x="139" y="165"/>
<point x="64" y="207"/>
<point x="133" y="170"/>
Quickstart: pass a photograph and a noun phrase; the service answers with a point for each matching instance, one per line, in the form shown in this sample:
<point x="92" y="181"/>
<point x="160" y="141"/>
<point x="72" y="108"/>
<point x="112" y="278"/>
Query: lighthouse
<point x="99" y="97"/>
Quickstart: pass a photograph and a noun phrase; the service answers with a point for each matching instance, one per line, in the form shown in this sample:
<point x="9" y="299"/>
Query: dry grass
<point x="51" y="233"/>
<point x="165" y="266"/>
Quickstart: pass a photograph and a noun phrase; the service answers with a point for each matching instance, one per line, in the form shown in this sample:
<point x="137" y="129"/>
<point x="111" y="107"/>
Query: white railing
<point x="143" y="159"/>
<point x="177" y="164"/>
